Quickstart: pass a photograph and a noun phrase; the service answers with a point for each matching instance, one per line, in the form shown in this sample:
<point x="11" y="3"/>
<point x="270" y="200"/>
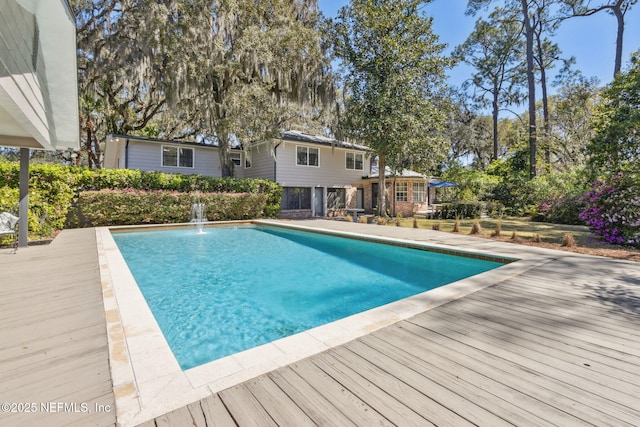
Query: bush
<point x="613" y="210"/>
<point x="54" y="190"/>
<point x="459" y="210"/>
<point x="126" y="207"/>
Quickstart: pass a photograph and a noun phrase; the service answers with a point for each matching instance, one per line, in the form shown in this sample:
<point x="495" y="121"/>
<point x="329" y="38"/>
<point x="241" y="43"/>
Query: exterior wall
<point x="395" y="208"/>
<point x="331" y="172"/>
<point x="147" y="156"/>
<point x="262" y="163"/>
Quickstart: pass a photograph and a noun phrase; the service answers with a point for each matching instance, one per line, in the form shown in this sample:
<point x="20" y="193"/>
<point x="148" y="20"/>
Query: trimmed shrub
<point x="126" y="207"/>
<point x="459" y="210"/>
<point x="54" y="190"/>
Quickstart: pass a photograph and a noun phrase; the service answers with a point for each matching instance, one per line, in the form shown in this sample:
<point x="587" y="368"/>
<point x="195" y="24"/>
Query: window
<point x="418" y="192"/>
<point x="294" y="198"/>
<point x="177" y="156"/>
<point x="401" y="191"/>
<point x="355" y="161"/>
<point x="307" y="156"/>
<point x="336" y="198"/>
<point x="236" y="158"/>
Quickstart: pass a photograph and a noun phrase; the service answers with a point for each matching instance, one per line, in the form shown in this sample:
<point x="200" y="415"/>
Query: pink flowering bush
<point x="613" y="210"/>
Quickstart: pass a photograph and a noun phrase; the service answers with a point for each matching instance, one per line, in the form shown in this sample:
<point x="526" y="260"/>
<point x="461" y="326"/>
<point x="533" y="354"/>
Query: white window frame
<point x="307" y="148"/>
<point x="422" y="192"/>
<point x="177" y="148"/>
<point x="236" y="156"/>
<point x="402" y="195"/>
<point x="355" y="155"/>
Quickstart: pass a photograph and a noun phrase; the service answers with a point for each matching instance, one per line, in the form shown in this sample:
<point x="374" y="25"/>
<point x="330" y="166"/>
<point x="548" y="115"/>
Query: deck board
<point x="391" y="408"/>
<point x="53" y="342"/>
<point x="558" y="344"/>
<point x="514" y="353"/>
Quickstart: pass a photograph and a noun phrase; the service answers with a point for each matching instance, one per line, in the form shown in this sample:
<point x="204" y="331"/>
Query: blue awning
<point x="443" y="184"/>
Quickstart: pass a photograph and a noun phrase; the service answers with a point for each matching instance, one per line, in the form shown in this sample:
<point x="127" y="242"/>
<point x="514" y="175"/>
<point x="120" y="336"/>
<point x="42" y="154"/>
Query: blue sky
<point x="591" y="39"/>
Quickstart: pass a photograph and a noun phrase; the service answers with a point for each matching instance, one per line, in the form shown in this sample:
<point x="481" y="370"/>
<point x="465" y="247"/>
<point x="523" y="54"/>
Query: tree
<point x="525" y="8"/>
<point x="395" y="81"/>
<point x="249" y="68"/>
<point x="546" y="53"/>
<point x="571" y="114"/>
<point x="615" y="147"/>
<point x="494" y="49"/>
<point x="126" y="52"/>
<point x="617" y="8"/>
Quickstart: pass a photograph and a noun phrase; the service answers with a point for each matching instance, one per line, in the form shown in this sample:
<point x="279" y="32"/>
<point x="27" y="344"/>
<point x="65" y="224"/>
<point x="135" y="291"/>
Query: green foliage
<point x="616" y="145"/>
<point x="395" y="74"/>
<point x="125" y="207"/>
<point x="474" y="184"/>
<point x="460" y="210"/>
<point x="53" y="190"/>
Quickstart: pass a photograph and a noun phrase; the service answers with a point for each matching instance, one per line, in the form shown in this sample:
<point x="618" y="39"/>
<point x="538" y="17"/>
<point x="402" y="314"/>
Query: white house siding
<point x="332" y="171"/>
<point x="147" y="156"/>
<point x="262" y="163"/>
<point x="22" y="74"/>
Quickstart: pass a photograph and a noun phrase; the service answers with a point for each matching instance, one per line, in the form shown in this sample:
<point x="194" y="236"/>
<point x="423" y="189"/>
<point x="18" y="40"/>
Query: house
<point x="320" y="176"/>
<point x="38" y="83"/>
<point x="407" y="192"/>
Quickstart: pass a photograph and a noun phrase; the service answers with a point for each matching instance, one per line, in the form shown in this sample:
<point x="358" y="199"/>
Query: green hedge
<point x="459" y="210"/>
<point x="54" y="190"/>
<point x="125" y="207"/>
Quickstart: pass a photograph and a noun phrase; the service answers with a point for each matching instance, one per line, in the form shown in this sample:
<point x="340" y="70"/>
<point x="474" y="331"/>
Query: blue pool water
<point x="234" y="288"/>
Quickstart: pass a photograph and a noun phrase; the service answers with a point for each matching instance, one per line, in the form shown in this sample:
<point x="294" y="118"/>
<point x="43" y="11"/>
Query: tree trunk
<point x="382" y="203"/>
<point x="494" y="115"/>
<point x="531" y="80"/>
<point x="545" y="118"/>
<point x="617" y="11"/>
<point x="224" y="152"/>
<point x="88" y="143"/>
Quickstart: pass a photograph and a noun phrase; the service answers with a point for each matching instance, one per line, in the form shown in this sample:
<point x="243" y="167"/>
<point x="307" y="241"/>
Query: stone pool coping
<point x="147" y="378"/>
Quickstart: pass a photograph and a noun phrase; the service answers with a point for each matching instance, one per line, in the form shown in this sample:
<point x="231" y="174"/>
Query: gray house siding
<point x="262" y="163"/>
<point x="331" y="172"/>
<point x="147" y="156"/>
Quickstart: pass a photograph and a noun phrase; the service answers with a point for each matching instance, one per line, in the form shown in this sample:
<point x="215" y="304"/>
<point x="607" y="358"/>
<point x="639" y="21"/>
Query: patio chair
<point x="8" y="227"/>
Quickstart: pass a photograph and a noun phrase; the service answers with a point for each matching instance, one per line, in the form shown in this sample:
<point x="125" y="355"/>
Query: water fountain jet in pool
<point x="198" y="213"/>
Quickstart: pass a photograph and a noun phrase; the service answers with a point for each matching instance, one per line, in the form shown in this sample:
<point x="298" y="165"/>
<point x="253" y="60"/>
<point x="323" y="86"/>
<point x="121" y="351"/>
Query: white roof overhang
<point x="40" y="110"/>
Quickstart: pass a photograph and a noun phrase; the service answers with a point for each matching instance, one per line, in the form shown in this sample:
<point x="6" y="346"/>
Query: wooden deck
<point x="53" y="342"/>
<point x="558" y="345"/>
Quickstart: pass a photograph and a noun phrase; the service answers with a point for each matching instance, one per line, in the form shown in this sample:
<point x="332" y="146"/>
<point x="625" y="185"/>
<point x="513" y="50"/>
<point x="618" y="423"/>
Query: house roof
<point x="295" y="135"/>
<point x="405" y="173"/>
<point x="289" y="135"/>
<point x="117" y="137"/>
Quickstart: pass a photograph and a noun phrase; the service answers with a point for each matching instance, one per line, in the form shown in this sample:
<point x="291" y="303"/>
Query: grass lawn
<point x="550" y="235"/>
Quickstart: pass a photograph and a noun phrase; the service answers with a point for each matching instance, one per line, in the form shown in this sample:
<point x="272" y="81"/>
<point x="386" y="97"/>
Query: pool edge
<point x="136" y="350"/>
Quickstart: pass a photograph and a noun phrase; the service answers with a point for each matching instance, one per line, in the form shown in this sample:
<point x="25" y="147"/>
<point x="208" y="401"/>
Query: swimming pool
<point x="234" y="288"/>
